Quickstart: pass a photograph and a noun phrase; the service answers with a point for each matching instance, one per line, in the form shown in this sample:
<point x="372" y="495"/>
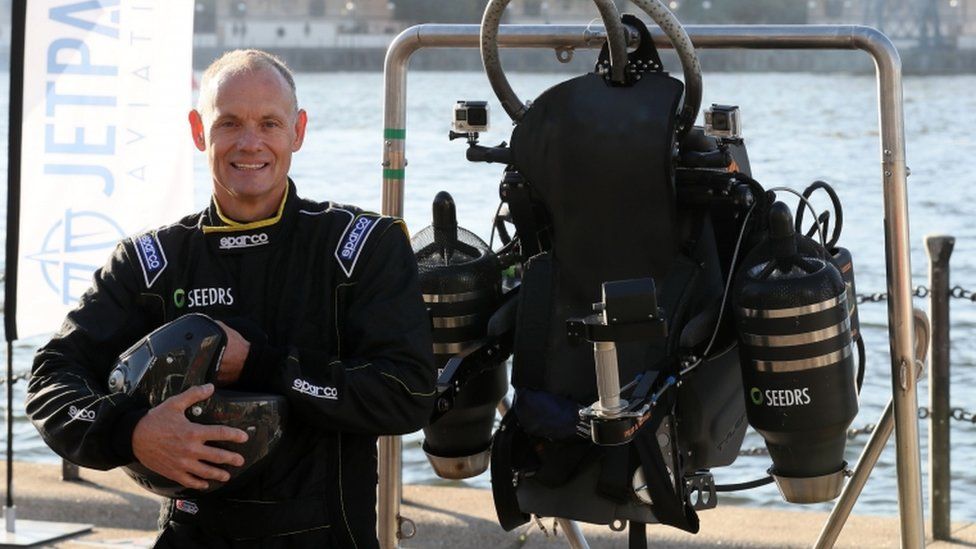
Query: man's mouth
<point x="248" y="167"/>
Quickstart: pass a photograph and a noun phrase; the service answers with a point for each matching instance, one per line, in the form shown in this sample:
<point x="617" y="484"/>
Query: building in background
<point x="373" y="23"/>
<point x="294" y="23"/>
<point x="928" y="24"/>
<point x="354" y="34"/>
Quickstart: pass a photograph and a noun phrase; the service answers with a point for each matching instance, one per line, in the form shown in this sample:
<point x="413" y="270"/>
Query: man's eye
<point x="227" y="124"/>
<point x="272" y="124"/>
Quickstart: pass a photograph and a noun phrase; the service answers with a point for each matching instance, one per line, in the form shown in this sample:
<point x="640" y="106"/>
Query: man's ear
<point x="301" y="120"/>
<point x="197" y="130"/>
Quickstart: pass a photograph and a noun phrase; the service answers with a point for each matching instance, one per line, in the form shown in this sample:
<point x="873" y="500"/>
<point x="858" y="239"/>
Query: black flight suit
<point x="329" y="299"/>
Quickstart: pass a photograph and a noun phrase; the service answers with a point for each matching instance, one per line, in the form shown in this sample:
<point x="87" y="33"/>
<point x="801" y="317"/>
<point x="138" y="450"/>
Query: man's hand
<point x="235" y="354"/>
<point x="167" y="442"/>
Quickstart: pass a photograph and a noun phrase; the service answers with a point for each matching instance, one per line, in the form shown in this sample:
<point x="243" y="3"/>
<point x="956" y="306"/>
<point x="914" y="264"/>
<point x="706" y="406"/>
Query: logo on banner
<point x="72" y="249"/>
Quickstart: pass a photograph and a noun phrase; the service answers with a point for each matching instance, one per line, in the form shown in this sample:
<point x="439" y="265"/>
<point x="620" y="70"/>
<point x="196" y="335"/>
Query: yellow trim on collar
<point x="403" y="225"/>
<point x="232" y="225"/>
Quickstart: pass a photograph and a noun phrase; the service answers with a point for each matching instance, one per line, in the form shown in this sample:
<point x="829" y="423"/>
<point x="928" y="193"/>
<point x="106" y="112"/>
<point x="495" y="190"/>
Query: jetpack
<point x="653" y="298"/>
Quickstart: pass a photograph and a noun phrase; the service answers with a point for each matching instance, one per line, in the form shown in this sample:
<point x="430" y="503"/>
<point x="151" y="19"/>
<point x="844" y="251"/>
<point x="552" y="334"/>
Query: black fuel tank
<point x="798" y="365"/>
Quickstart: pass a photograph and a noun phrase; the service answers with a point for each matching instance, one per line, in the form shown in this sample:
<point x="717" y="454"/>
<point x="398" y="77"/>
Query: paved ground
<point x="456" y="518"/>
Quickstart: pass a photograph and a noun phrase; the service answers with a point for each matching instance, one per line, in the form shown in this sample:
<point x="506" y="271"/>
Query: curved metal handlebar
<point x="617" y="43"/>
<point x="616" y="40"/>
<point x="691" y="68"/>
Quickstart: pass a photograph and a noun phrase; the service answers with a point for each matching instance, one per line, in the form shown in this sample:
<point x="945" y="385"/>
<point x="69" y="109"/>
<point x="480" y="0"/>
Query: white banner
<point x="106" y="145"/>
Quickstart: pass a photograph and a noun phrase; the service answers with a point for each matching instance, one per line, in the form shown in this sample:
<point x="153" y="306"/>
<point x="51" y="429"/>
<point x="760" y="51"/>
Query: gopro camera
<point x="470" y="116"/>
<point x="723" y="121"/>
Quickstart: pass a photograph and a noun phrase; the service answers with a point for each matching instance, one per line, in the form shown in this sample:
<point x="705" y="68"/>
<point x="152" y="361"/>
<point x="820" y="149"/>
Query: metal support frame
<point x="894" y="173"/>
<point x="940" y="477"/>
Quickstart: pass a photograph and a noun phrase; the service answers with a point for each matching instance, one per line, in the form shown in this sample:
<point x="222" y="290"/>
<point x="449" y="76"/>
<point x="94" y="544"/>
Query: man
<point x="309" y="294"/>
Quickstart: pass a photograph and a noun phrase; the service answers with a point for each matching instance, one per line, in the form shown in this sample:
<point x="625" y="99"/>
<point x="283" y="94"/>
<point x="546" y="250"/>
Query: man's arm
<point x="382" y="382"/>
<point x="68" y="400"/>
<point x="67" y="397"/>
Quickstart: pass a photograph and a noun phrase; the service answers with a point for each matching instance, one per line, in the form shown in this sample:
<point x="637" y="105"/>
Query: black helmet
<point x="180" y="355"/>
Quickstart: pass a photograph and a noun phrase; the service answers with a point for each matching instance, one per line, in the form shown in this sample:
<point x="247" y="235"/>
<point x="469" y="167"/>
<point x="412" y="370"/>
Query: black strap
<point x="670" y="502"/>
<point x="241" y="520"/>
<point x="618" y="462"/>
<point x="614" y="480"/>
<point x="502" y="475"/>
<point x="637" y="536"/>
<point x="517" y="194"/>
<point x="532" y="324"/>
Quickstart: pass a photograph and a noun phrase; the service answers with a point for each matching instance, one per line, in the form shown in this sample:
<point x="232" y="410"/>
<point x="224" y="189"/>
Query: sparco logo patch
<point x="81" y="414"/>
<point x="243" y="241"/>
<point x="352" y="243"/>
<point x="151" y="257"/>
<point x="187" y="506"/>
<point x="307" y="388"/>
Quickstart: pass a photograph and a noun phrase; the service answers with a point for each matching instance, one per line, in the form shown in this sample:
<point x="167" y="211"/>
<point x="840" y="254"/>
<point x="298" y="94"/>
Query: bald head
<point x="236" y="62"/>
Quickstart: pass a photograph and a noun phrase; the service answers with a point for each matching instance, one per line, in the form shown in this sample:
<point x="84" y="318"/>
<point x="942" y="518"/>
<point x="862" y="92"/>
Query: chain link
<point x="919" y="291"/>
<point x="17" y="377"/>
<point x="924" y="412"/>
<point x="958" y="414"/>
<point x="866" y="430"/>
<point x="957" y="292"/>
<point x="962" y="415"/>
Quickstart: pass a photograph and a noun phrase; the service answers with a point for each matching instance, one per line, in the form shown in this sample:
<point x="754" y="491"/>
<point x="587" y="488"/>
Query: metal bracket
<point x="701" y="490"/>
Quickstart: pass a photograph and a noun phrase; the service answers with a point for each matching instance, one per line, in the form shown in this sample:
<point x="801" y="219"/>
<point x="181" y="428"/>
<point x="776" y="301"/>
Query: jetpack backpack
<point x="656" y="300"/>
<point x="591" y="190"/>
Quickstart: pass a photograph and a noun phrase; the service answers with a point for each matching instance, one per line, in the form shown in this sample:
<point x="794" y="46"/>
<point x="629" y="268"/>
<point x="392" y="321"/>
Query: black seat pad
<point x="598" y="158"/>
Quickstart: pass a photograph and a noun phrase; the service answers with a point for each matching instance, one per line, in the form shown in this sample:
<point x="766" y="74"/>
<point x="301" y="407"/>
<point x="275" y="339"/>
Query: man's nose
<point x="250" y="140"/>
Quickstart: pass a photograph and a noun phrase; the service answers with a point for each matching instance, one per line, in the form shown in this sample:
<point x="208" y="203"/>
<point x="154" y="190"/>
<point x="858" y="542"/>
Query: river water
<point x="798" y="128"/>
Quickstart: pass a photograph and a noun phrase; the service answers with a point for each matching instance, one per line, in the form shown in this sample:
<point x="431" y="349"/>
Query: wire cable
<point x="813" y="212"/>
<point x="725" y="293"/>
<point x="494" y="227"/>
<point x="768" y="479"/>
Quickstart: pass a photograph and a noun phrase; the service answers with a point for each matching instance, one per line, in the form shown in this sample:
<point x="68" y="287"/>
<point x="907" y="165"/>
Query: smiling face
<point x="249" y="126"/>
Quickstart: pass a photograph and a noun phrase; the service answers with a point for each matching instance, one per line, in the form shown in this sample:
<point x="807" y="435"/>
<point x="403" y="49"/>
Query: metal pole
<point x="865" y="464"/>
<point x="899" y="273"/>
<point x="573" y="533"/>
<point x="18" y="25"/>
<point x="394" y="165"/>
<point x="894" y="178"/>
<point x="69" y="471"/>
<point x="940" y="249"/>
<point x="389" y="491"/>
<point x="872" y="450"/>
<point x="9" y="511"/>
